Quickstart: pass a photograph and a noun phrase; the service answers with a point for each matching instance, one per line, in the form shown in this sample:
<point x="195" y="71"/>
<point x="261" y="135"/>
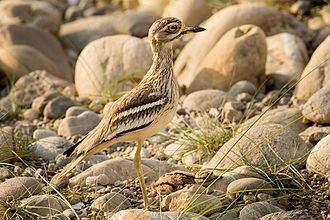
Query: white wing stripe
<point x="138" y="109"/>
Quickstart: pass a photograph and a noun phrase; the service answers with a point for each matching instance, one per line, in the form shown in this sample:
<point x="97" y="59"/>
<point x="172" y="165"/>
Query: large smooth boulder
<point x="317" y="72"/>
<point x="269" y="19"/>
<point x="77" y="34"/>
<point x="239" y="55"/>
<point x="270" y="144"/>
<point x="283" y="115"/>
<point x="106" y="61"/>
<point x="190" y="12"/>
<point x="123" y="169"/>
<point x="41" y="40"/>
<point x="33" y="13"/>
<point x="287" y="57"/>
<point x="19" y="60"/>
<point x="319" y="159"/>
<point x="132" y="214"/>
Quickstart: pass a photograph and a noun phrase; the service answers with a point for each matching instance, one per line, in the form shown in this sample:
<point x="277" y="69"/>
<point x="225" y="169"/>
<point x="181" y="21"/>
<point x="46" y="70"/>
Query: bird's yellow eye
<point x="173" y="28"/>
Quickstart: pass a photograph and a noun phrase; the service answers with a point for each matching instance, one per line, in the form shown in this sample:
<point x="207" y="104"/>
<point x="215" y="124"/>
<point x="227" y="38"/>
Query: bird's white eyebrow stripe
<point x="138" y="109"/>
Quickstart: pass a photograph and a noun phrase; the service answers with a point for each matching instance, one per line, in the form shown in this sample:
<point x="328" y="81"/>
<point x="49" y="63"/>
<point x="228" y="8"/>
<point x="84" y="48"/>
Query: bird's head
<point x="168" y="29"/>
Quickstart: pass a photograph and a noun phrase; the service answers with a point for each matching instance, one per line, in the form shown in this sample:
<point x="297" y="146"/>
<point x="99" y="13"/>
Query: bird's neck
<point x="162" y="65"/>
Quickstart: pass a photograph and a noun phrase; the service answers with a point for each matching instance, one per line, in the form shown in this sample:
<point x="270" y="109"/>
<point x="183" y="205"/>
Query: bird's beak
<point x="189" y="30"/>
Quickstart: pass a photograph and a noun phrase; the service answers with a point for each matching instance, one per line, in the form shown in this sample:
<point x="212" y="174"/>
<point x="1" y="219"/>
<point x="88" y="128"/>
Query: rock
<point x="122" y="169"/>
<point x="49" y="147"/>
<point x="287" y="57"/>
<point x="224" y="63"/>
<point x="254" y="184"/>
<point x="135" y="23"/>
<point x="111" y="202"/>
<point x="242" y="87"/>
<point x="317" y="108"/>
<point x="172" y="182"/>
<point x="100" y="180"/>
<point x="301" y="7"/>
<point x="30" y="114"/>
<point x="60" y="183"/>
<point x="314" y="134"/>
<point x="131" y="214"/>
<point x="282" y="115"/>
<point x="230" y="114"/>
<point x="43" y="133"/>
<point x="57" y="107"/>
<point x="193" y="157"/>
<point x="75" y="111"/>
<point x="41" y="40"/>
<point x="198" y="203"/>
<point x="81" y="124"/>
<point x="4" y="173"/>
<point x="230" y="215"/>
<point x="258" y="210"/>
<point x="269" y="144"/>
<point x="19" y="188"/>
<point x="32" y="13"/>
<point x="190" y="12"/>
<point x="77" y="34"/>
<point x="44" y="205"/>
<point x="33" y="85"/>
<point x="40" y="102"/>
<point x="176" y="150"/>
<point x="317" y="72"/>
<point x="319" y="159"/>
<point x="221" y="184"/>
<point x="144" y="153"/>
<point x="6" y="145"/>
<point x="269" y="19"/>
<point x="113" y="58"/>
<point x="154" y="5"/>
<point x="292" y="215"/>
<point x="205" y="99"/>
<point x="19" y="60"/>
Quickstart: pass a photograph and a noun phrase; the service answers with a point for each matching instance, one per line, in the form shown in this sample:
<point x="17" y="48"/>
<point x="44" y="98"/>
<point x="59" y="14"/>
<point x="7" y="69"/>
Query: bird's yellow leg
<point x="138" y="167"/>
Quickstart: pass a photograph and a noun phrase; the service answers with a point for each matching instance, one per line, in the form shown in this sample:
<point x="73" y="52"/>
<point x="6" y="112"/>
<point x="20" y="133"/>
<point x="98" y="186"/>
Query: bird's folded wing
<point x="131" y="112"/>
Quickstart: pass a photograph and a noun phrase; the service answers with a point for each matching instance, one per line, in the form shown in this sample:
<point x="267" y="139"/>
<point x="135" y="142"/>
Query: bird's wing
<point x="131" y="112"/>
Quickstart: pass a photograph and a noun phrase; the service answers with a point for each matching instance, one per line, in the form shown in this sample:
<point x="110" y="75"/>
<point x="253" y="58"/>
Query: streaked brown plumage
<point x="143" y="111"/>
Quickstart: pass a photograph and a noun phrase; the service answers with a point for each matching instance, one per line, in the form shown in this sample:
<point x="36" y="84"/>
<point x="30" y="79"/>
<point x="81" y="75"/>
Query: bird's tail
<point x="80" y="156"/>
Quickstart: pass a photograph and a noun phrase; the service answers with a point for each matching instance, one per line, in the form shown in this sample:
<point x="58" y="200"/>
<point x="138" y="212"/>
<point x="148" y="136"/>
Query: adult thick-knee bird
<point x="143" y="111"/>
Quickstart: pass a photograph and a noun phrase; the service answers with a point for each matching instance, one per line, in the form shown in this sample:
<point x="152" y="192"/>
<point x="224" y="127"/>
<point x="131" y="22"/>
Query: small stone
<point x="242" y="87"/>
<point x="43" y="133"/>
<point x="31" y="114"/>
<point x="78" y="206"/>
<point x="19" y="188"/>
<point x="75" y="111"/>
<point x="101" y="179"/>
<point x="57" y="107"/>
<point x="28" y="172"/>
<point x="4" y="173"/>
<point x="257" y="210"/>
<point x="253" y="184"/>
<point x="79" y="125"/>
<point x="69" y="213"/>
<point x="49" y="147"/>
<point x="111" y="202"/>
<point x="144" y="153"/>
<point x="59" y="183"/>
